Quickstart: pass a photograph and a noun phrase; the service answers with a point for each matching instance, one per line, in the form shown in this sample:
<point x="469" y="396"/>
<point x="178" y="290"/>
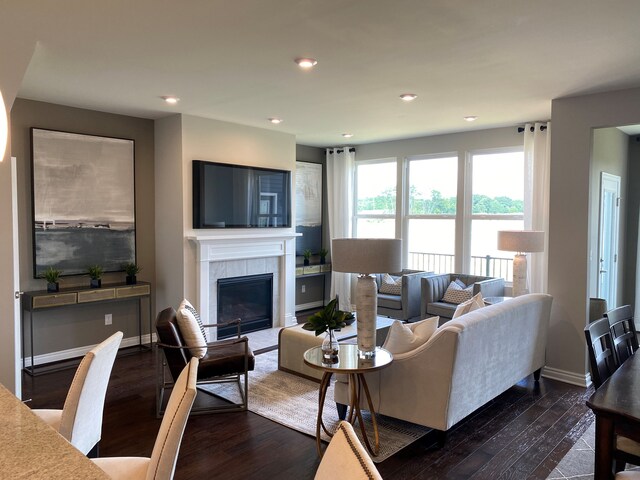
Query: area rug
<point x="292" y="401"/>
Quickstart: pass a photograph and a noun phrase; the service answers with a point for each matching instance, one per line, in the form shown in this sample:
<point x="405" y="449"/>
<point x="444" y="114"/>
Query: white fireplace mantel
<point x="213" y="248"/>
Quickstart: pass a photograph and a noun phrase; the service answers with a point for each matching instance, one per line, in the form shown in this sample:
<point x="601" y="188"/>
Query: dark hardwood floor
<point x="522" y="434"/>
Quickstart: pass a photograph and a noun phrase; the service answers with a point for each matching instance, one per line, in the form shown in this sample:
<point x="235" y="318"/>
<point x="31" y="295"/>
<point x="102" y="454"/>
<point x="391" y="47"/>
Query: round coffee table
<point x="349" y="363"/>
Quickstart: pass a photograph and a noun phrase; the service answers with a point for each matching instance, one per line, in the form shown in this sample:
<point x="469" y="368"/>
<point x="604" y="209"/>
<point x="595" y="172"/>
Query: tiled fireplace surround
<point x="236" y="255"/>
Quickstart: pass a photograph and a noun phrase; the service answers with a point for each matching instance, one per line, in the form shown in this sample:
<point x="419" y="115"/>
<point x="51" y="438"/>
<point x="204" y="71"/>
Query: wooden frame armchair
<point x="225" y="361"/>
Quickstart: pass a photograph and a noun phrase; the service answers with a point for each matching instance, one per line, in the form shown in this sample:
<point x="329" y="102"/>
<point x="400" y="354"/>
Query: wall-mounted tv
<point x="237" y="196"/>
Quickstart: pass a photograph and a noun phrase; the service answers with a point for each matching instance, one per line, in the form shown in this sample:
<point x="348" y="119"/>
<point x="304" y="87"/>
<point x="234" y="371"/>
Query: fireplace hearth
<point x="249" y="298"/>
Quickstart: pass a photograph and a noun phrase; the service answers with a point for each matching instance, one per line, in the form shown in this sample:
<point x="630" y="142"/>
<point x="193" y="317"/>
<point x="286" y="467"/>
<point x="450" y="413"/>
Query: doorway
<point x="609" y="220"/>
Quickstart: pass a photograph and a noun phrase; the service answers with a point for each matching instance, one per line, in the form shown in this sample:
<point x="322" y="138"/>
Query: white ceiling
<point x="503" y="60"/>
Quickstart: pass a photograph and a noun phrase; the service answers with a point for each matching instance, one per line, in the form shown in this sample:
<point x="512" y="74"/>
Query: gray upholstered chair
<point x="162" y="464"/>
<point x="405" y="306"/>
<point x="80" y="420"/>
<point x="346" y="458"/>
<point x="435" y="286"/>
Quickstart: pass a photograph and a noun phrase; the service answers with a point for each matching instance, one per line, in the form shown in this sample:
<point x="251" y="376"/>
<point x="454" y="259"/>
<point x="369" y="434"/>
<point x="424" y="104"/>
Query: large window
<point x="375" y="193"/>
<point x="497" y="203"/>
<point x="431" y="213"/>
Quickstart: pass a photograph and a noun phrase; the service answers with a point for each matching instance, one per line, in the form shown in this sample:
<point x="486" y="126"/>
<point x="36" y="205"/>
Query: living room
<point x="163" y="199"/>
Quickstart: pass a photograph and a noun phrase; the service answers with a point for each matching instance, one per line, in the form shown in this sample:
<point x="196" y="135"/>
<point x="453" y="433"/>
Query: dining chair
<point x="623" y="332"/>
<point x="162" y="464"/>
<point x="345" y="457"/>
<point x="603" y="361"/>
<point x="80" y="420"/>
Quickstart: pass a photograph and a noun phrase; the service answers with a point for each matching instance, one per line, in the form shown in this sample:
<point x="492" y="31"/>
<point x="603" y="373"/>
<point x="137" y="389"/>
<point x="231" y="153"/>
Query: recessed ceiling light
<point x="170" y="99"/>
<point x="275" y="120"/>
<point x="347" y="135"/>
<point x="408" y="97"/>
<point x="471" y="118"/>
<point x="306" y="62"/>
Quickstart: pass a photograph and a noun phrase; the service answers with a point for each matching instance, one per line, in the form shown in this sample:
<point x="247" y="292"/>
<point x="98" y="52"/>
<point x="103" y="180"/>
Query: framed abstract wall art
<point x="308" y="207"/>
<point x="83" y="198"/>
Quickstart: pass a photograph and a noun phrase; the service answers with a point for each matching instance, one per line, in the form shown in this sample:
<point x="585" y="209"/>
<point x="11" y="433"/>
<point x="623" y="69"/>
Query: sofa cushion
<point x="441" y="309"/>
<point x="391" y="285"/>
<point x="191" y="330"/>
<point x="470" y="305"/>
<point x="394" y="302"/>
<point x="406" y="337"/>
<point x="456" y="294"/>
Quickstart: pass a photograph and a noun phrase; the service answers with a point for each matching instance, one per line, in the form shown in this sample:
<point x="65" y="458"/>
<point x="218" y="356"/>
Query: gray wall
<point x="630" y="282"/>
<point x="78" y="326"/>
<point x="574" y="119"/>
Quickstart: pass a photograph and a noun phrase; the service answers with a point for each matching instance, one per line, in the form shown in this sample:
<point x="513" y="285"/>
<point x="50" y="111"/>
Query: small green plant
<point x="307" y="254"/>
<point x="329" y="318"/>
<point x="95" y="272"/>
<point x="131" y="269"/>
<point x="51" y="275"/>
<point x="323" y="253"/>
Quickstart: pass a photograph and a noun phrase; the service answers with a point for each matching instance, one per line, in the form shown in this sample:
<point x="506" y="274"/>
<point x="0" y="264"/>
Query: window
<point x="497" y="203"/>
<point x="431" y="217"/>
<point x="375" y="194"/>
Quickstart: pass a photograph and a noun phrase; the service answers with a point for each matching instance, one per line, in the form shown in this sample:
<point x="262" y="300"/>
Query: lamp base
<point x="520" y="275"/>
<point x="366" y="315"/>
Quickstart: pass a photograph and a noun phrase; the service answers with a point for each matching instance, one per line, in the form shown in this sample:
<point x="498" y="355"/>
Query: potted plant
<point x="131" y="269"/>
<point x="51" y="275"/>
<point x="95" y="273"/>
<point x="327" y="320"/>
<point x="323" y="255"/>
<point x="307" y="255"/>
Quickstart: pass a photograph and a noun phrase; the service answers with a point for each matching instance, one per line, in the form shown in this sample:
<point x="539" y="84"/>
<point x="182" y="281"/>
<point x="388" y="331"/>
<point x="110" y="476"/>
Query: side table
<point x="349" y="363"/>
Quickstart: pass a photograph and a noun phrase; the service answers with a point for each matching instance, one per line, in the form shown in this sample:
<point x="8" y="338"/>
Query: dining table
<point x="616" y="405"/>
<point x="31" y="449"/>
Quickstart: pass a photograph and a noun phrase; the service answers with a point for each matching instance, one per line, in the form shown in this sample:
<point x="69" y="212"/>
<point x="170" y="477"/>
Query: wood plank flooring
<point x="521" y="434"/>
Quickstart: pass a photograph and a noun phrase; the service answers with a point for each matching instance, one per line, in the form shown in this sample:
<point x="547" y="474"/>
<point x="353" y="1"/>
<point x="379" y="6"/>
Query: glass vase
<point x="330" y="348"/>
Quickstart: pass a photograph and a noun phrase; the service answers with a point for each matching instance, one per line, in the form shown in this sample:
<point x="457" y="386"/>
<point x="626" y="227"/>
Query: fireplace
<point x="249" y="298"/>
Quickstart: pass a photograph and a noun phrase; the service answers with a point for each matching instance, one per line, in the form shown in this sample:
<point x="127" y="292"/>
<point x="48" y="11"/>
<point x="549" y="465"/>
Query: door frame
<point x="609" y="183"/>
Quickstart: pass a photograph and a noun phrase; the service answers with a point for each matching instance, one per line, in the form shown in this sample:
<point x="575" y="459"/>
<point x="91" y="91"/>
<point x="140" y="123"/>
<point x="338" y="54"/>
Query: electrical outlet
<point x="303" y="288"/>
<point x="108" y="319"/>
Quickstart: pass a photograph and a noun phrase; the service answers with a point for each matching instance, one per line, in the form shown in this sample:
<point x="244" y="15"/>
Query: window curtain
<point x="536" y="215"/>
<point x="340" y="165"/>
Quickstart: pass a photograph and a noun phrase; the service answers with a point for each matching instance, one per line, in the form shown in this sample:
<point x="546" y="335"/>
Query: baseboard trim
<point x="581" y="380"/>
<point x="309" y="306"/>
<point x="80" y="351"/>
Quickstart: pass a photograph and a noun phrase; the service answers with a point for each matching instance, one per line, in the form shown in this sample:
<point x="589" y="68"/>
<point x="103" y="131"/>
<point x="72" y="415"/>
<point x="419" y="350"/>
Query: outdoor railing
<point x="487" y="266"/>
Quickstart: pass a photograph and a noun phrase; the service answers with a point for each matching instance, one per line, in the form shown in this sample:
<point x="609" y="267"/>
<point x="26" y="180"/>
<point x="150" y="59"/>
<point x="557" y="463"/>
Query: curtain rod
<point x="533" y="129"/>
<point x="340" y="150"/>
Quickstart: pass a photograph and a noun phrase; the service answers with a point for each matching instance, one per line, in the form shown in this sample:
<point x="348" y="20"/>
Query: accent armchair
<point x="435" y="286"/>
<point x="404" y="305"/>
<point x="80" y="420"/>
<point x="225" y="361"/>
<point x="162" y="464"/>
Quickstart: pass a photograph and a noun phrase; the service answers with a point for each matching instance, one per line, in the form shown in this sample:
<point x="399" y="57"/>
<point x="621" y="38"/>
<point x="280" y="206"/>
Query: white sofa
<point x="466" y="362"/>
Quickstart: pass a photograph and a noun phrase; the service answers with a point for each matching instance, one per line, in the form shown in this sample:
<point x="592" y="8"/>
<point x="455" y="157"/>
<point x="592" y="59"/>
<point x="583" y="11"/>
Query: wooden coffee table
<point x="349" y="363"/>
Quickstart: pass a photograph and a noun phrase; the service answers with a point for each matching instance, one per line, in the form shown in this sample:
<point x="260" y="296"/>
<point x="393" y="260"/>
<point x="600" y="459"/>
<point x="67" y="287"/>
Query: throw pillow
<point x="391" y="285"/>
<point x="470" y="305"/>
<point x="460" y="282"/>
<point x="191" y="330"/>
<point x="456" y="294"/>
<point x="403" y="338"/>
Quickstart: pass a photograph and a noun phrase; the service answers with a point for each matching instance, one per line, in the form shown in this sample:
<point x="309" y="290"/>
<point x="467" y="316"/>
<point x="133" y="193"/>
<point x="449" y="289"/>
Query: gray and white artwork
<point x="84" y="201"/>
<point x="308" y="206"/>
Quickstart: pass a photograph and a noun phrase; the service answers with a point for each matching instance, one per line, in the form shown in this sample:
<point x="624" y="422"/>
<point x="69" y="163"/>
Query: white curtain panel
<point x="340" y="165"/>
<point x="537" y="165"/>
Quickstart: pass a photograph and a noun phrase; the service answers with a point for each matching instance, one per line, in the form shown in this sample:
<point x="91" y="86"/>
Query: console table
<point x="41" y="300"/>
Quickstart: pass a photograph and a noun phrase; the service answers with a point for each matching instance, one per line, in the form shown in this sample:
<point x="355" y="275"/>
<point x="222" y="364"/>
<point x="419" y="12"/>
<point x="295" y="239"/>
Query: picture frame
<point x="308" y="190"/>
<point x="83" y="201"/>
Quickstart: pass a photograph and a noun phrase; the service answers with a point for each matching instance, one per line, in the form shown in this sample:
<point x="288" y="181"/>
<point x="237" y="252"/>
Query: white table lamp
<point x="366" y="256"/>
<point x="521" y="242"/>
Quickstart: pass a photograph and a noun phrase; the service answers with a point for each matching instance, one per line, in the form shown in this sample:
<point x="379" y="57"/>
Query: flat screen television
<point x="237" y="196"/>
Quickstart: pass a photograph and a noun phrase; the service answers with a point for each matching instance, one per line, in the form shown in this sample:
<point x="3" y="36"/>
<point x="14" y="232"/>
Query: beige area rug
<point x="293" y="402"/>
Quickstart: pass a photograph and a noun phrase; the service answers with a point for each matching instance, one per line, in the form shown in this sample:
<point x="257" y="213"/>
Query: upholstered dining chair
<point x="223" y="361"/>
<point x="603" y="361"/>
<point x="623" y="332"/>
<point x="162" y="464"/>
<point x="345" y="457"/>
<point x="80" y="420"/>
